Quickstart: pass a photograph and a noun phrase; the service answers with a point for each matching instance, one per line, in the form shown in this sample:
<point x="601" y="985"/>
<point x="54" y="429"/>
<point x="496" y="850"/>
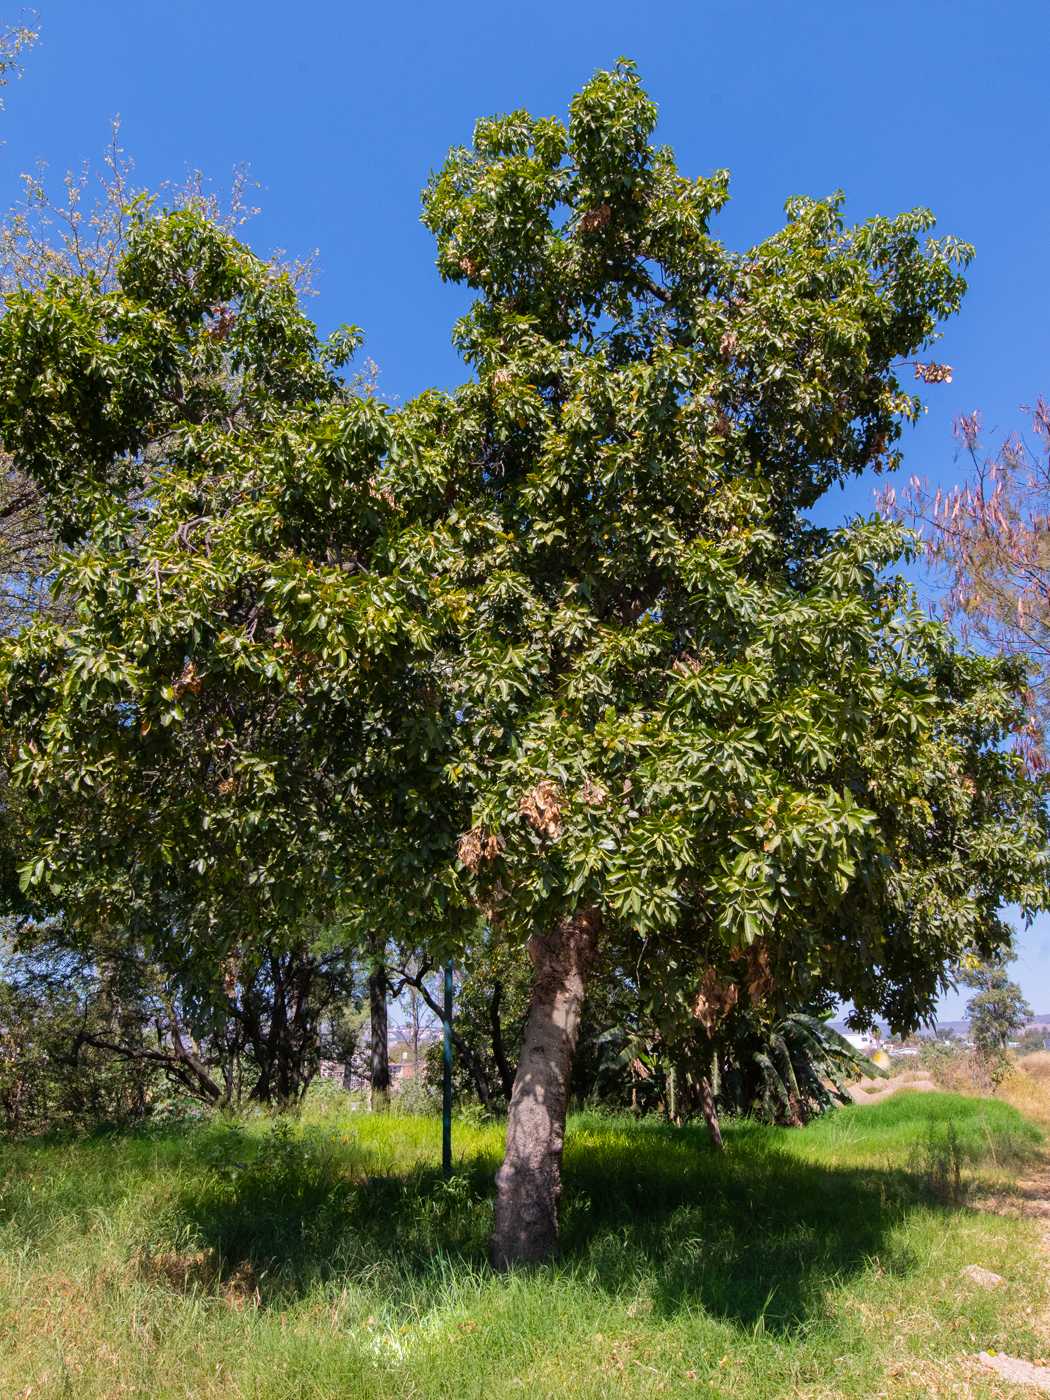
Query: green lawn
<point x="332" y="1260"/>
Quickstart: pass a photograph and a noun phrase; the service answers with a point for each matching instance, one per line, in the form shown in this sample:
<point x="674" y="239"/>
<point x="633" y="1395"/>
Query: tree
<point x="472" y="1067"/>
<point x="53" y="1005"/>
<point x="996" y="1013"/>
<point x="14" y="40"/>
<point x="685" y="712"/>
<point x="253" y="1029"/>
<point x="221" y="390"/>
<point x="559" y="651"/>
<point x="988" y="539"/>
<point x="419" y="1020"/>
<point x="266" y="1030"/>
<point x="378" y="1020"/>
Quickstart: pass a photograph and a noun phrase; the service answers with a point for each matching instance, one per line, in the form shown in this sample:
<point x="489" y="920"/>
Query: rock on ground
<point x="1011" y="1368"/>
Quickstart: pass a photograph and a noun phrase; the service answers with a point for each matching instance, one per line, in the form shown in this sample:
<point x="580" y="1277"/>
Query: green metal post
<point x="446" y="1080"/>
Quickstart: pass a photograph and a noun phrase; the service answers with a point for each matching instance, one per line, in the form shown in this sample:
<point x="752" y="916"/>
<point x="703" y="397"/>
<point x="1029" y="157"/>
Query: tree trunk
<point x="707" y="1104"/>
<point x="506" y="1078"/>
<point x="529" y="1181"/>
<point x="379" y="1050"/>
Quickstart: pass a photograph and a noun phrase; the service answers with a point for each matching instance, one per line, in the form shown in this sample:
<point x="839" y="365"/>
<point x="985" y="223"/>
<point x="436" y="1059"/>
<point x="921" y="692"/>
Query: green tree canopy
<point x="560" y="648"/>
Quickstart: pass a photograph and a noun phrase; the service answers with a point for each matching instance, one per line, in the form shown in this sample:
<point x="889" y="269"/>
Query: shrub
<point x="938" y="1162"/>
<point x="417" y="1096"/>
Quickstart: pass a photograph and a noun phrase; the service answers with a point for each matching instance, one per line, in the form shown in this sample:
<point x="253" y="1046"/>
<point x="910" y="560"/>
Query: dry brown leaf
<point x="595" y="219"/>
<point x="474" y="846"/>
<point x="541" y="808"/>
<point x="714" y="1000"/>
<point x="593" y="794"/>
<point x="190" y="679"/>
<point x="933" y="373"/>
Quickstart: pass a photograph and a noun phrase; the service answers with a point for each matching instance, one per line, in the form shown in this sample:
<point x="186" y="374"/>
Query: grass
<point x="330" y="1259"/>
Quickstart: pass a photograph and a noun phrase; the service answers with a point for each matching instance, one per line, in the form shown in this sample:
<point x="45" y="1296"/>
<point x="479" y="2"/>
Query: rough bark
<point x="529" y="1181"/>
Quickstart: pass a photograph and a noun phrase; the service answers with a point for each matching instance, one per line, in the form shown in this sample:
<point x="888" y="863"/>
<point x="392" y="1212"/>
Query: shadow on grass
<point x="755" y="1234"/>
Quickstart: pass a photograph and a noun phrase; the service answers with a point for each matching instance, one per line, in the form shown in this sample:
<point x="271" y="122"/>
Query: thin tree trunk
<point x="379" y="1051"/>
<point x="506" y="1078"/>
<point x="528" y="1183"/>
<point x="413" y="1006"/>
<point x="463" y="1049"/>
<point x="707" y="1104"/>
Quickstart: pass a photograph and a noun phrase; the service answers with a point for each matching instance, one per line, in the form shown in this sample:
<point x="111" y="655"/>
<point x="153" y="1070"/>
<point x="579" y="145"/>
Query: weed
<point x="938" y="1162"/>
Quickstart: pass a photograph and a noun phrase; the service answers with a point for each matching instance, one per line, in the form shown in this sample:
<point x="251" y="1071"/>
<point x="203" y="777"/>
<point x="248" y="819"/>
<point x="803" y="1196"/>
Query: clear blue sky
<point x="341" y="111"/>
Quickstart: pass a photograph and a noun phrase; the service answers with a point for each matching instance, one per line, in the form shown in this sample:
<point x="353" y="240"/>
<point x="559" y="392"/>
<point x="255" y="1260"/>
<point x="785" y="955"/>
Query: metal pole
<point x="446" y="1081"/>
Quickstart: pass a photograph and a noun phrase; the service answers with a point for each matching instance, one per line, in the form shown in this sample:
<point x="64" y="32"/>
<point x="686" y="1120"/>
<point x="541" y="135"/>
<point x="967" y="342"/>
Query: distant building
<point x="862" y="1042"/>
<point x="405" y="1064"/>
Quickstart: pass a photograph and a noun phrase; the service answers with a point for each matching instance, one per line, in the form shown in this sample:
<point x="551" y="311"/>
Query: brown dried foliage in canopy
<point x="714" y="1000"/>
<point x="541" y="808"/>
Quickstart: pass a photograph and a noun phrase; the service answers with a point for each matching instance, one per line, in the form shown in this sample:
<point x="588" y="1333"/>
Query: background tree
<point x="49" y="1078"/>
<point x="421" y="1026"/>
<point x="105" y="1013"/>
<point x="997" y="1013"/>
<point x="378" y="1027"/>
<point x="81" y="234"/>
<point x="229" y="741"/>
<point x="988" y="539"/>
<point x="477" y="1035"/>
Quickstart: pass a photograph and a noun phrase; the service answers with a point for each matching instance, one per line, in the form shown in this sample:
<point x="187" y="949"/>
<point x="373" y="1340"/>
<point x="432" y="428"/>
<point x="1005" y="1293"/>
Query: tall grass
<point x="329" y="1258"/>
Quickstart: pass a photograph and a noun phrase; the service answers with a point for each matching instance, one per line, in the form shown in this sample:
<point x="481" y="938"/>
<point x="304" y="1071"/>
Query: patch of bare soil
<point x="1029" y="1196"/>
<point x="1019" y="1372"/>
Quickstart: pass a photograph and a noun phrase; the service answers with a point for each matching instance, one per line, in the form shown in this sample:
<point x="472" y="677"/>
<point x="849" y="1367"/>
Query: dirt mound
<point x="875" y="1090"/>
